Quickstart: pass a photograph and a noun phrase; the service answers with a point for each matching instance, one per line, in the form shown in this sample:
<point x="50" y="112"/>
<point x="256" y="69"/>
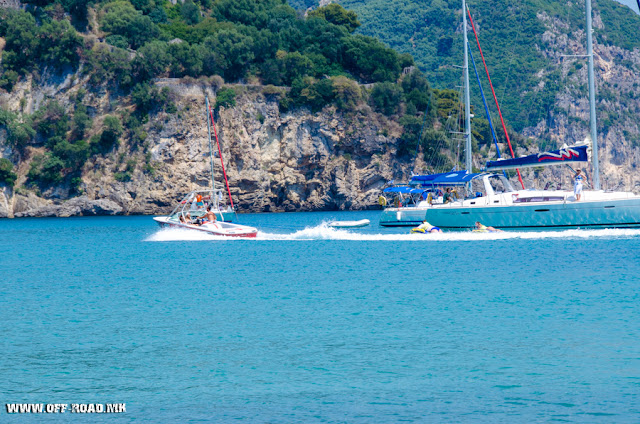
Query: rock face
<point x="295" y="161"/>
<point x="617" y="104"/>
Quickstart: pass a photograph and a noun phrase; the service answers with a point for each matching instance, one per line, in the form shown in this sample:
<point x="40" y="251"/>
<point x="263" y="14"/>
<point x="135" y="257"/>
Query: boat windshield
<point x="500" y="184"/>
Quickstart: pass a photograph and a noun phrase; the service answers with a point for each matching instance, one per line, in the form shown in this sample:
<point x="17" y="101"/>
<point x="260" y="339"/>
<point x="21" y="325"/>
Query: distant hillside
<point x="533" y="50"/>
<point x="511" y="34"/>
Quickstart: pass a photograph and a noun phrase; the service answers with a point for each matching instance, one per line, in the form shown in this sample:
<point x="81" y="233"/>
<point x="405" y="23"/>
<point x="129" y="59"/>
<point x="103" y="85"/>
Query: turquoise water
<point x="307" y="324"/>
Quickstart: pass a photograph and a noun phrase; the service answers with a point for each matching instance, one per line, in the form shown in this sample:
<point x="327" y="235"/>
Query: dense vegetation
<point x="247" y="41"/>
<point x="511" y="37"/>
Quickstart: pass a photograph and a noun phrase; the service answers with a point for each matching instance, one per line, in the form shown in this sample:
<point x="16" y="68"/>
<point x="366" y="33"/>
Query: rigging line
<point x="215" y="132"/>
<point x="486" y="108"/>
<point x="504" y="127"/>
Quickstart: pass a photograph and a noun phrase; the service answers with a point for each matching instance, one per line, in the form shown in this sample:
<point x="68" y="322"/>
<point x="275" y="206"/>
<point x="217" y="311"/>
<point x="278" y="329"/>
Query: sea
<point x="308" y="324"/>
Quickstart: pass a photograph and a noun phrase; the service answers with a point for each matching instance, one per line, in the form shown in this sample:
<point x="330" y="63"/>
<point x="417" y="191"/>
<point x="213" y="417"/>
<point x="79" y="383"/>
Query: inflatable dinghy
<point x="348" y="224"/>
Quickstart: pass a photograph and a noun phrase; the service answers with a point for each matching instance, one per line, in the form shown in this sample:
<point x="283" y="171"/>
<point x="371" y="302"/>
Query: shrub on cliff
<point x="51" y="120"/>
<point x="7" y="176"/>
<point x="347" y="93"/>
<point x="109" y="137"/>
<point x="225" y="97"/>
<point x="46" y="169"/>
<point x="19" y="129"/>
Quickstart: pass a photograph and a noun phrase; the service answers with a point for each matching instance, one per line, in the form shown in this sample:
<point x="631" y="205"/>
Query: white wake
<point x="323" y="232"/>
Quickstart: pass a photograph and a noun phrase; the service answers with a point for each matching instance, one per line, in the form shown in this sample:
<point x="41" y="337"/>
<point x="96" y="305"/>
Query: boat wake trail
<point x="324" y="232"/>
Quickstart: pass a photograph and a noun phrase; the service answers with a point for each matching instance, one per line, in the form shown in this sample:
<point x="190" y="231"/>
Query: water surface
<point x="308" y="324"/>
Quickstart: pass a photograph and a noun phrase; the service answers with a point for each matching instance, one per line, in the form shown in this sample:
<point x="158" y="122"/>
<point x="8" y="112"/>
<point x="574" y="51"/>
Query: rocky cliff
<point x="617" y="103"/>
<point x="275" y="161"/>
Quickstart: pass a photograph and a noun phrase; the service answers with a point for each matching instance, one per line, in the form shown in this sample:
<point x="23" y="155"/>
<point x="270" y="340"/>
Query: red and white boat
<point x="190" y="211"/>
<point x="218" y="228"/>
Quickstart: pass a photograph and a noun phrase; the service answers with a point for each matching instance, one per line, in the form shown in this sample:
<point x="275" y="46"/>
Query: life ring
<point x="382" y="201"/>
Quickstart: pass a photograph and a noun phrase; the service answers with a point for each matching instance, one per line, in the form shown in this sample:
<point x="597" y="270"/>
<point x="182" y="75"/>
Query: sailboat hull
<point x="402" y="217"/>
<point x="618" y="213"/>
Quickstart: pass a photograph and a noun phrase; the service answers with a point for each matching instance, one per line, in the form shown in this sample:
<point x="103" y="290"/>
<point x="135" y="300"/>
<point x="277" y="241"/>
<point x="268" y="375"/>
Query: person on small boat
<point x="577" y="184"/>
<point x="199" y="202"/>
<point x="209" y="217"/>
<point x="425" y="227"/>
<point x="484" y="228"/>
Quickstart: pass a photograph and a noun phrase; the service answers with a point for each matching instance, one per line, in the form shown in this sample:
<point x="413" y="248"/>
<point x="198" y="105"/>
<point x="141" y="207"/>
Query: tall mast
<point x="213" y="181"/>
<point x="467" y="107"/>
<point x="592" y="101"/>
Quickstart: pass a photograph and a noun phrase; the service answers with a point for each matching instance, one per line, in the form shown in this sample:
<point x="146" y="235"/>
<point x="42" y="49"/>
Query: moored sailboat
<point x="490" y="198"/>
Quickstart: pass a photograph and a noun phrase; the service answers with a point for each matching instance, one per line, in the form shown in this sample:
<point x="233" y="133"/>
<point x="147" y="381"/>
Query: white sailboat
<point x="491" y="200"/>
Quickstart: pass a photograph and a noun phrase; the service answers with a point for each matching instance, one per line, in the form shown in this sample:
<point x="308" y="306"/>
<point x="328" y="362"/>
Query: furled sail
<point x="554" y="157"/>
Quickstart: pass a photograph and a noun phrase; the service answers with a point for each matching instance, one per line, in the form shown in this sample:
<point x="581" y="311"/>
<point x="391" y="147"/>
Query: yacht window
<point x="539" y="199"/>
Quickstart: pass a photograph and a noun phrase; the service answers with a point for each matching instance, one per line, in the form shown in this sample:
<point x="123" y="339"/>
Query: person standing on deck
<point x="577" y="184"/>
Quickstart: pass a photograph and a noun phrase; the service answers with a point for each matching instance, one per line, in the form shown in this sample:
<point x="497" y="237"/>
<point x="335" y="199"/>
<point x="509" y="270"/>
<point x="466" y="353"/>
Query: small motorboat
<point x="348" y="224"/>
<point x="191" y="211"/>
<point x="218" y="228"/>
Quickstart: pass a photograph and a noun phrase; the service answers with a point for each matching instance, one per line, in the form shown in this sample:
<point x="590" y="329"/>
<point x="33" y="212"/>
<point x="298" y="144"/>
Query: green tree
<point x="120" y="17"/>
<point x="51" y="120"/>
<point x="233" y="52"/>
<point x="186" y="59"/>
<point x="74" y="155"/>
<point x="347" y="93"/>
<point x="337" y="15"/>
<point x="386" y="98"/>
<point x="59" y="44"/>
<point x="370" y="60"/>
<point x="46" y="169"/>
<point x="108" y="67"/>
<point x="190" y="12"/>
<point x="417" y="91"/>
<point x="20" y="32"/>
<point x="152" y="61"/>
<point x="294" y="65"/>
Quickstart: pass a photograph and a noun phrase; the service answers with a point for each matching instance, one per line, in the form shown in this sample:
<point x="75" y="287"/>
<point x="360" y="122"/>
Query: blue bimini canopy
<point x="555" y="157"/>
<point x="427" y="178"/>
<point x="403" y="190"/>
<point x="455" y="178"/>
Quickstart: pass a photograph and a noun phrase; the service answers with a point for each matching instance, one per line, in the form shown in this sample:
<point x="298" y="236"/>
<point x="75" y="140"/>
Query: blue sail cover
<point x="555" y="157"/>
<point x="455" y="178"/>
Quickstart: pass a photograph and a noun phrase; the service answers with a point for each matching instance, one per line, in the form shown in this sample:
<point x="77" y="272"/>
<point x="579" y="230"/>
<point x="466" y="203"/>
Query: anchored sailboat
<point x="491" y="200"/>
